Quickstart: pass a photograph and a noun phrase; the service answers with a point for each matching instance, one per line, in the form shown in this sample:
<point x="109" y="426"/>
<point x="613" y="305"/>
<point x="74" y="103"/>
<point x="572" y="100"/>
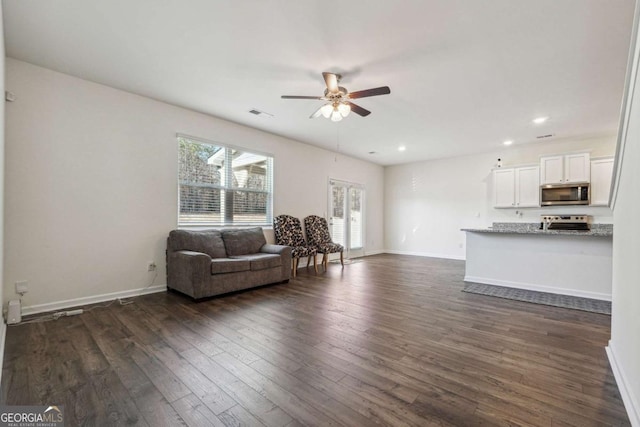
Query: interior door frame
<point x="348" y="185"/>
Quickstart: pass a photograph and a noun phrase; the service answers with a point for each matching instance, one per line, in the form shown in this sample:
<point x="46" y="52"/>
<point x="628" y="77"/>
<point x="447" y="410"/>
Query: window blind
<point x="223" y="186"/>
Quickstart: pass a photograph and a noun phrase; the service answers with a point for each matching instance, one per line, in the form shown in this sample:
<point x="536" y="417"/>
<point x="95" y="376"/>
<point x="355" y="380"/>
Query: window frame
<point x="221" y="224"/>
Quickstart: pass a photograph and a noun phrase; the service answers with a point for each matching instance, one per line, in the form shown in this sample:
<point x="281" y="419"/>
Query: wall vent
<point x="260" y="113"/>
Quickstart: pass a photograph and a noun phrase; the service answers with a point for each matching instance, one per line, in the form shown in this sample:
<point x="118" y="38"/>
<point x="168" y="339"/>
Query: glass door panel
<point x="355" y="232"/>
<point x="346" y="220"/>
<point x="337" y="214"/>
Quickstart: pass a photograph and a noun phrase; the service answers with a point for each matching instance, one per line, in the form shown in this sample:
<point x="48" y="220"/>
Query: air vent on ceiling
<point x="260" y="113"/>
<point x="551" y="135"/>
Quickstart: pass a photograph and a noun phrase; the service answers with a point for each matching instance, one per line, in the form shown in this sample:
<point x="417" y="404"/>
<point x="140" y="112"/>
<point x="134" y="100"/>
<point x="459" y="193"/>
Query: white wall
<point x="427" y="203"/>
<point x="624" y="347"/>
<point x="2" y="109"/>
<point x="91" y="190"/>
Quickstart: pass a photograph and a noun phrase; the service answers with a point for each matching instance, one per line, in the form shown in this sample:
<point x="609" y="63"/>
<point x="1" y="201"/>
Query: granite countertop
<point x="597" y="230"/>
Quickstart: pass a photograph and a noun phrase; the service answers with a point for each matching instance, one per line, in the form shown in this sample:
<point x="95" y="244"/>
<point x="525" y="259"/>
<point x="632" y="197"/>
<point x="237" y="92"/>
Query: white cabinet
<point x="577" y="168"/>
<point x="516" y="187"/>
<point x="565" y="169"/>
<point x="601" y="174"/>
<point x="504" y="186"/>
<point x="528" y="187"/>
<point x="552" y="170"/>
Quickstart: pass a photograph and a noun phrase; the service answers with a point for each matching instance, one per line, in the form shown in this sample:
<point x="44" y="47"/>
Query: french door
<point x="346" y="216"/>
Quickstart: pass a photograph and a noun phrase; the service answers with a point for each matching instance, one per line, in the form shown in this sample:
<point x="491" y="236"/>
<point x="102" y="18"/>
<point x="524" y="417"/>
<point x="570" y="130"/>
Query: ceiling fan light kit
<point x="326" y="110"/>
<point x="344" y="109"/>
<point x="338" y="99"/>
<point x="335" y="111"/>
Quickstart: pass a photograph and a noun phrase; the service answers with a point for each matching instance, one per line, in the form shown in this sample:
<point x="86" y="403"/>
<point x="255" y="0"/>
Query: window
<point x="222" y="185"/>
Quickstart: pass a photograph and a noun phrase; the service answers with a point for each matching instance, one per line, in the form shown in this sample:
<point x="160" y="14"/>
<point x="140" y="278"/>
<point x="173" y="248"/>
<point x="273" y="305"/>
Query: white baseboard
<point x="59" y="305"/>
<point x="3" y="336"/>
<point x="539" y="288"/>
<point x="631" y="404"/>
<point x="376" y="252"/>
<point x="335" y="256"/>
<point x="425" y="254"/>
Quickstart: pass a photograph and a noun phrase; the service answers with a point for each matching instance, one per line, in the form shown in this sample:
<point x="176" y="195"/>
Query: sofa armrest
<point x="275" y="249"/>
<point x="187" y="269"/>
<point x="285" y="254"/>
<point x="190" y="255"/>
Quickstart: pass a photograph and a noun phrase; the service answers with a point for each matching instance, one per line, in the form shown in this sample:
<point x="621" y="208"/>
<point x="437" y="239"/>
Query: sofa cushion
<point x="243" y="241"/>
<point x="206" y="241"/>
<point x="261" y="261"/>
<point x="228" y="265"/>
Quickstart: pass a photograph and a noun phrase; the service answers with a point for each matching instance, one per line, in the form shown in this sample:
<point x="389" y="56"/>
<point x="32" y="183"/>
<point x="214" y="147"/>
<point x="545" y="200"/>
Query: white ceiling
<point x="465" y="75"/>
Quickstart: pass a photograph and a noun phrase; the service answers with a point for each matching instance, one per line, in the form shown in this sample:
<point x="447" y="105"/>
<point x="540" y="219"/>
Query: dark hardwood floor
<point x="390" y="340"/>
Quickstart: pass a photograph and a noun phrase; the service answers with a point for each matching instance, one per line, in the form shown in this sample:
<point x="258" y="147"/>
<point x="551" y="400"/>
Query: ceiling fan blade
<point x="332" y="81"/>
<point x="300" y="97"/>
<point x="317" y="113"/>
<point x="384" y="90"/>
<point x="358" y="109"/>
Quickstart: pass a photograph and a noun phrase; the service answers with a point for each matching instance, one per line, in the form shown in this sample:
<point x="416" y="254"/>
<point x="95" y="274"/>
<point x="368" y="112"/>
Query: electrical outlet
<point x="22" y="287"/>
<point x="152" y="266"/>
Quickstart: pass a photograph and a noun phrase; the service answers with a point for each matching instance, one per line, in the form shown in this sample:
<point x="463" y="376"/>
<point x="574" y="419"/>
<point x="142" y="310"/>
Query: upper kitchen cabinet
<point x="551" y="169"/>
<point x="577" y="168"/>
<point x="565" y="169"/>
<point x="601" y="174"/>
<point x="504" y="188"/>
<point x="517" y="187"/>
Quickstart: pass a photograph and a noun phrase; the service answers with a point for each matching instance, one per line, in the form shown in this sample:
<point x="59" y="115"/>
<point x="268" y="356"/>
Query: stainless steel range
<point x="565" y="222"/>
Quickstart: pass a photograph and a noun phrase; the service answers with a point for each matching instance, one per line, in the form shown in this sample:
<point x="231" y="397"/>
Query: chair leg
<point x="294" y="262"/>
<point x="308" y="261"/>
<point x="325" y="261"/>
<point x="315" y="263"/>
<point x="342" y="258"/>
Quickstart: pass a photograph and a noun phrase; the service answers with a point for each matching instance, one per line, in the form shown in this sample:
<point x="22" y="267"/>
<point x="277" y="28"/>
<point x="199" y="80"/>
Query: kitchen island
<point x="520" y="255"/>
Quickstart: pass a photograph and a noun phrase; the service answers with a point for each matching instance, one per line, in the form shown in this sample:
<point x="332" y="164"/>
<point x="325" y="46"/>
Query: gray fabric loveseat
<point x="212" y="262"/>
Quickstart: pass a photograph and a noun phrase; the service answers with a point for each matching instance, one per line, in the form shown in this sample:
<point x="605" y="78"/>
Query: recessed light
<point x="509" y="142"/>
<point x="402" y="148"/>
<point x="540" y="120"/>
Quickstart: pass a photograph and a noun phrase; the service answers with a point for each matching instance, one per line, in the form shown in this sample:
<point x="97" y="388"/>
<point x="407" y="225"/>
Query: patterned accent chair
<point x="318" y="236"/>
<point x="288" y="232"/>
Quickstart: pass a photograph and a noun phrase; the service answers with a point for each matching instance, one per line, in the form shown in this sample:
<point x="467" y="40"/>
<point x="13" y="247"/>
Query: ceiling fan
<point x="339" y="99"/>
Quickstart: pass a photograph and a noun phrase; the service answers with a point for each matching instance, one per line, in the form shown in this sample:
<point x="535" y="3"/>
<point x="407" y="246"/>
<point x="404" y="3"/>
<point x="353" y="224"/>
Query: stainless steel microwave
<point x="564" y="194"/>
